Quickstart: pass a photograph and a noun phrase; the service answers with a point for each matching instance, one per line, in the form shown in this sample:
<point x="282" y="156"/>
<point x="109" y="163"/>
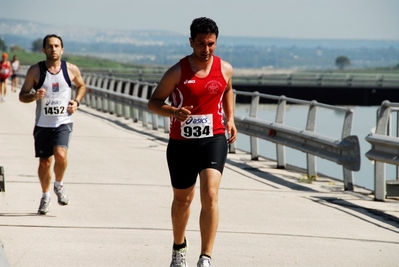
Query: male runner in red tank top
<point x="202" y="113"/>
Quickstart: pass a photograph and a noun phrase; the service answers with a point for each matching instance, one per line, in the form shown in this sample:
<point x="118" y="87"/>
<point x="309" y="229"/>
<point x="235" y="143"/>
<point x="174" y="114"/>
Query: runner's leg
<point x="209" y="216"/>
<point x="44" y="173"/>
<point x="61" y="162"/>
<point x="180" y="211"/>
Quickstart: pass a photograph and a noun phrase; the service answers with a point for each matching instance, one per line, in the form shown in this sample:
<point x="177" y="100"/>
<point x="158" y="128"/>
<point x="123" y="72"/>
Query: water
<point x="328" y="123"/>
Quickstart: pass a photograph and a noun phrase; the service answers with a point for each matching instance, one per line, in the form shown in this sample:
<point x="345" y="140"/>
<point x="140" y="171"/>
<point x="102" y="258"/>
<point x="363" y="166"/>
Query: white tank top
<point x="15" y="66"/>
<point x="51" y="111"/>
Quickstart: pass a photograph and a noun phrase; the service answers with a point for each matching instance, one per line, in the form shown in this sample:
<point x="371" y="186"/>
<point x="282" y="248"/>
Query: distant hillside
<point x="165" y="48"/>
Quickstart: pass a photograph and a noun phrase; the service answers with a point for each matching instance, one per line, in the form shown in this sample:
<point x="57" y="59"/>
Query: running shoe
<point x="204" y="262"/>
<point x="44" y="206"/>
<point x="179" y="257"/>
<point x="63" y="199"/>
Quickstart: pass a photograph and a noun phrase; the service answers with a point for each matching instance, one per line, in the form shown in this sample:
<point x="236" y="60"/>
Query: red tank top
<point x="5" y="70"/>
<point x="205" y="95"/>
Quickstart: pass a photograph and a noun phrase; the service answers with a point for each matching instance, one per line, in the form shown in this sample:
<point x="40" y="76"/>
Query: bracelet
<point x="77" y="102"/>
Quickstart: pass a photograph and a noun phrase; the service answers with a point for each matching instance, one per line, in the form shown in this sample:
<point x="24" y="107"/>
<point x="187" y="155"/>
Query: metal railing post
<point x="144" y="96"/>
<point x="280" y="115"/>
<point x="126" y="108"/>
<point x="116" y="106"/>
<point x="310" y="126"/>
<point x="104" y="100"/>
<point x="93" y="102"/>
<point x="135" y="110"/>
<point x="110" y="103"/>
<point x="253" y="112"/>
<point x="86" y="98"/>
<point x="232" y="147"/>
<point x="379" y="167"/>
<point x="99" y="101"/>
<point x="347" y="131"/>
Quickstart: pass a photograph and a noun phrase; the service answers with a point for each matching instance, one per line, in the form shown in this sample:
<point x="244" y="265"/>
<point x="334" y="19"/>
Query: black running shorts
<point x="187" y="158"/>
<point x="47" y="138"/>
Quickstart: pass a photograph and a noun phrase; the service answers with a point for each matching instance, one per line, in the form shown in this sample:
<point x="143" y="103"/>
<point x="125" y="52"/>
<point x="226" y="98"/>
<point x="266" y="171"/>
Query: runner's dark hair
<point x="203" y="25"/>
<point x="51" y="36"/>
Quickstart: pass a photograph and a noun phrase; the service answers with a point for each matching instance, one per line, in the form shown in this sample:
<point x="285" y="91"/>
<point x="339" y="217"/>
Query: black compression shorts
<point x="187" y="158"/>
<point x="47" y="138"/>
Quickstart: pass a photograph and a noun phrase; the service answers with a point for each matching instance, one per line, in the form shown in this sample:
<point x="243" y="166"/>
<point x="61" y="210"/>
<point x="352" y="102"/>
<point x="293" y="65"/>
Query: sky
<point x="296" y="19"/>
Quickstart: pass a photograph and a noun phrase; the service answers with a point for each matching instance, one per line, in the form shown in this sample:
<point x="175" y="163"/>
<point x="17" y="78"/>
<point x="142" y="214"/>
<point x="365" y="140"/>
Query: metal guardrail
<point x="154" y="74"/>
<point x="121" y="97"/>
<point x="127" y="97"/>
<point x="322" y="79"/>
<point x="318" y="79"/>
<point x="345" y="152"/>
<point x="384" y="149"/>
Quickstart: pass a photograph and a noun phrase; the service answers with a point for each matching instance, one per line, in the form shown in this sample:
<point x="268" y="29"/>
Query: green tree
<point x="16" y="48"/>
<point x="3" y="46"/>
<point x="37" y="45"/>
<point x="342" y="62"/>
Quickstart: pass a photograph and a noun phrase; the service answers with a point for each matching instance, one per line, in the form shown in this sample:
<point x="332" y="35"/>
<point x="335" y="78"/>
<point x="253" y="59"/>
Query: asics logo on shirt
<point x="53" y="102"/>
<point x="189" y="81"/>
<point x="196" y="120"/>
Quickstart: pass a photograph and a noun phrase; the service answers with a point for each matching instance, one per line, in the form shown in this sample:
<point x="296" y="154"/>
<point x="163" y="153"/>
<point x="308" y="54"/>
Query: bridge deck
<point x="119" y="213"/>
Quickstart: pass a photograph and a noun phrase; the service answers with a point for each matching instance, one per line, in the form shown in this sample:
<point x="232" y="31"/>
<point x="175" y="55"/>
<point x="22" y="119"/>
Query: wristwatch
<point x="77" y="102"/>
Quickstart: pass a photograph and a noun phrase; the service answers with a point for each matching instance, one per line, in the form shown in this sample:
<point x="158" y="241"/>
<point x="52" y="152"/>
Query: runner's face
<point x="203" y="46"/>
<point x="53" y="49"/>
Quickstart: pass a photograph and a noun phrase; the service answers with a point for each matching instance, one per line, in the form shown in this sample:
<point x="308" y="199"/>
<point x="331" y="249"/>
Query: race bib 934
<point x="197" y="126"/>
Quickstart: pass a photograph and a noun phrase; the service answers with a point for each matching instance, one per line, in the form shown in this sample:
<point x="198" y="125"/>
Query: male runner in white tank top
<point x="49" y="83"/>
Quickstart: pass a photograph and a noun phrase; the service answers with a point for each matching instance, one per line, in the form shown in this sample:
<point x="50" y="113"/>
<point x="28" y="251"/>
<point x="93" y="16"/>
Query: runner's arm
<point x="27" y="95"/>
<point x="228" y="103"/>
<point x="164" y="89"/>
<point x="78" y="81"/>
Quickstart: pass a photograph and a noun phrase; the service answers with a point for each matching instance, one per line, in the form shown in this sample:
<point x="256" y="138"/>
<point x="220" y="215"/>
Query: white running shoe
<point x="204" y="262"/>
<point x="179" y="257"/>
<point x="44" y="206"/>
<point x="63" y="199"/>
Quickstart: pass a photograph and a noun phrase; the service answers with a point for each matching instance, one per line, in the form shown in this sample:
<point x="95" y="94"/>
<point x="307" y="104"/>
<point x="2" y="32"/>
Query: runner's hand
<point x="181" y="114"/>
